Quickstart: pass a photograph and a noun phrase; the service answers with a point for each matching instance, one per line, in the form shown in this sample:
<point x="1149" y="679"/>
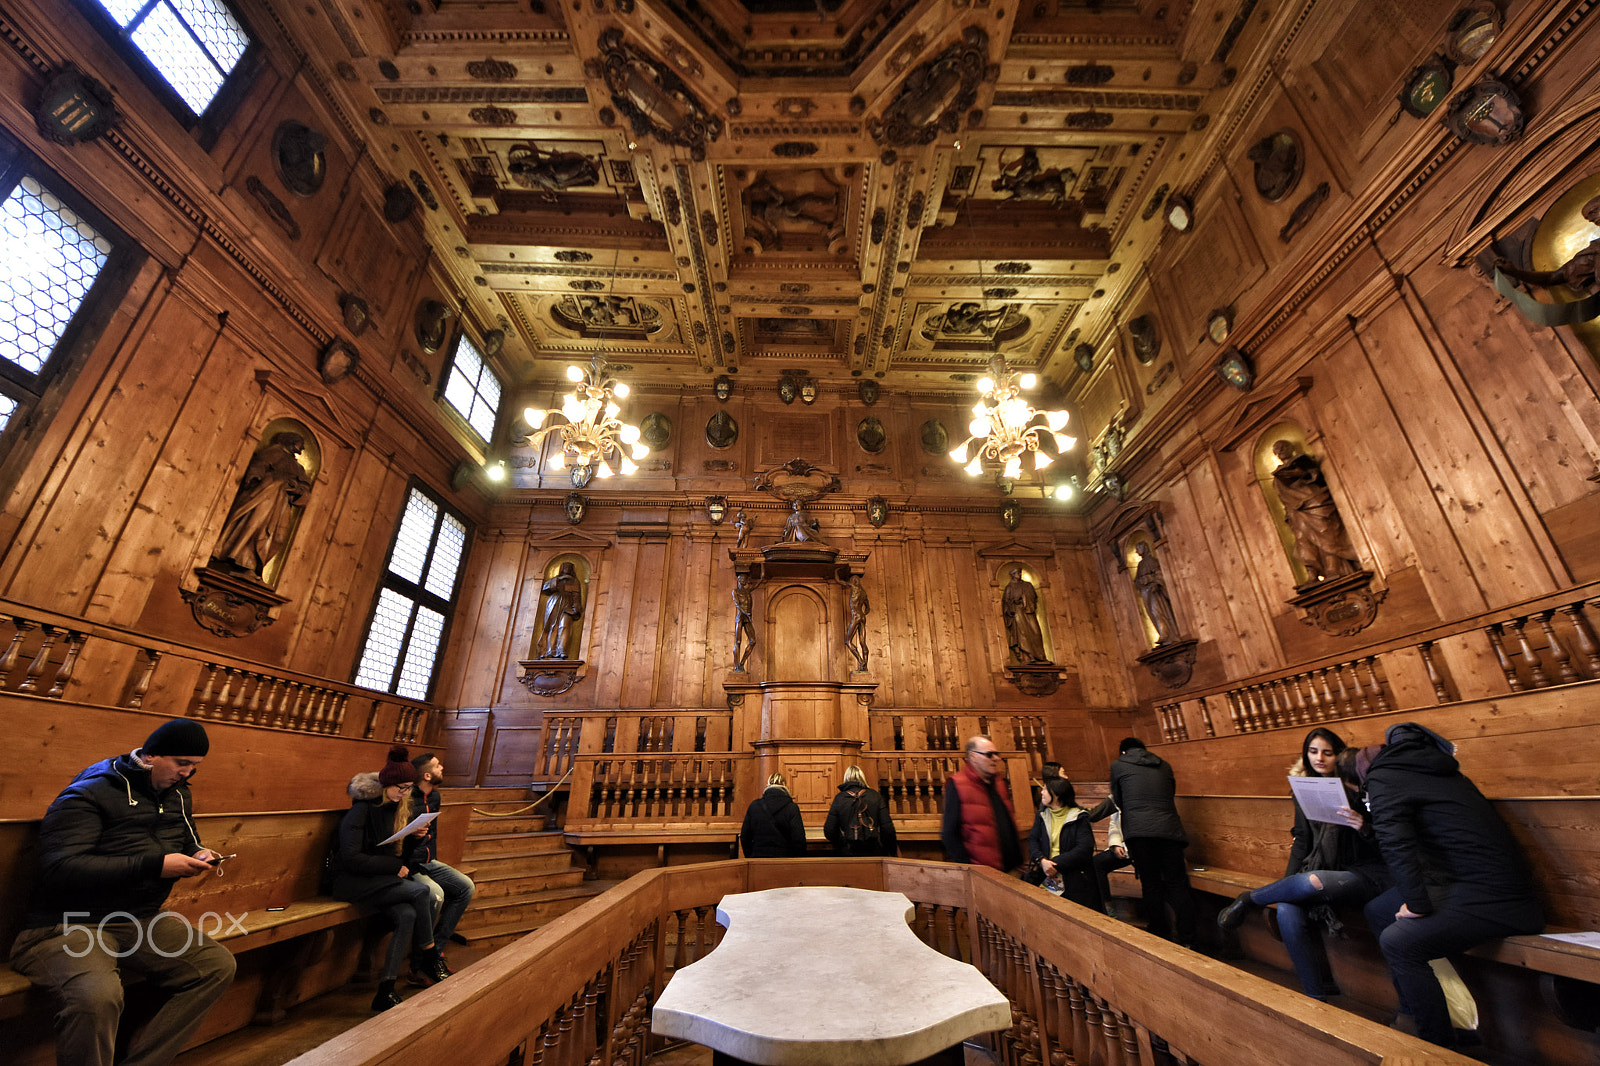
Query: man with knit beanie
<point x="111" y="846"/>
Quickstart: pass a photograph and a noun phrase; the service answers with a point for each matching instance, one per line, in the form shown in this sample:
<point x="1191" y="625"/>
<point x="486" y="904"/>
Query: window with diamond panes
<point x="408" y="623"/>
<point x="50" y="257"/>
<point x="193" y="45"/>
<point x="472" y="389"/>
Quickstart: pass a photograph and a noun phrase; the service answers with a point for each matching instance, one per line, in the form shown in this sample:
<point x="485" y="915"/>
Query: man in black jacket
<point x="1460" y="879"/>
<point x="111" y="847"/>
<point x="1143" y="789"/>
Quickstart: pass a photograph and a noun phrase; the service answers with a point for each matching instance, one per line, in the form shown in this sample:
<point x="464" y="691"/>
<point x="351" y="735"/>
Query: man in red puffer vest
<point x="980" y="824"/>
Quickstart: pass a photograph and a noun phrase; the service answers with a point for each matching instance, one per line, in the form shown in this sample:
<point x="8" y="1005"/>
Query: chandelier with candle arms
<point x="1005" y="428"/>
<point x="592" y="434"/>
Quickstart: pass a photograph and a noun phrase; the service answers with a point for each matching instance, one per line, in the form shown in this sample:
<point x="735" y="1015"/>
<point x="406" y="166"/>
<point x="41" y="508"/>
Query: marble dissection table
<point x="826" y="977"/>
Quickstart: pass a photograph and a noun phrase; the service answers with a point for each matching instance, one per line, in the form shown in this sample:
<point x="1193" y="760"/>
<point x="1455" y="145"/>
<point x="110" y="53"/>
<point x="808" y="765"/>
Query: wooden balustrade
<point x="1084" y="989"/>
<point x="653" y="788"/>
<point x="912" y="785"/>
<point x="559" y="744"/>
<point x="45" y="655"/>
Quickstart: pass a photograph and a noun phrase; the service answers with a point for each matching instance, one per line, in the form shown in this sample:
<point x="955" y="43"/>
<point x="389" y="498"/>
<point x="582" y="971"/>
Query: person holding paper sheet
<point x="366" y="870"/>
<point x="1329" y="863"/>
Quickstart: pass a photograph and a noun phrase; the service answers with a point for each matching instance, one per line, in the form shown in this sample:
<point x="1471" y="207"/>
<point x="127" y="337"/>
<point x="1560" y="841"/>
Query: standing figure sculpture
<point x="257" y="526"/>
<point x="742" y="524"/>
<point x="855" y="635"/>
<point x="1320" y="541"/>
<point x="800" y="527"/>
<point x="1152" y="586"/>
<point x="1021" y="606"/>
<point x="744" y="630"/>
<point x="1581" y="273"/>
<point x="563" y="607"/>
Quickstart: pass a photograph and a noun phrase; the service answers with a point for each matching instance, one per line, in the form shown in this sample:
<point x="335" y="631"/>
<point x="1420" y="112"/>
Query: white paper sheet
<point x="1587" y="940"/>
<point x="1322" y="798"/>
<point x="411" y="827"/>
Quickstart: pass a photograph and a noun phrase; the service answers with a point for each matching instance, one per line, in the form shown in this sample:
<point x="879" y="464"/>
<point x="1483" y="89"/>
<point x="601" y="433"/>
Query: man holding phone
<point x="111" y="846"/>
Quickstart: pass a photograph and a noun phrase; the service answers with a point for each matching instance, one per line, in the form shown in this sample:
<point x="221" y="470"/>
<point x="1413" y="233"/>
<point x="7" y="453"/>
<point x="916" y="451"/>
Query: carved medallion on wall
<point x="337" y="361"/>
<point x="655" y="430"/>
<point x="74" y="108"/>
<point x="935" y="438"/>
<point x="432" y="325"/>
<point x="933" y="97"/>
<point x="653" y="98"/>
<point x="868" y="392"/>
<point x="1279" y="164"/>
<point x="1340" y="606"/>
<point x="398" y="203"/>
<point x="355" y="313"/>
<point x="1146" y="338"/>
<point x="871" y="436"/>
<point x="1487" y="113"/>
<point x="298" y="153"/>
<point x="722" y="430"/>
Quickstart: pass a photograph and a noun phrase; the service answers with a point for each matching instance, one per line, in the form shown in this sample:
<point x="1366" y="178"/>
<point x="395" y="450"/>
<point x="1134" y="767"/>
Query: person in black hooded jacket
<point x="773" y="828"/>
<point x="879" y="836"/>
<point x="1460" y="878"/>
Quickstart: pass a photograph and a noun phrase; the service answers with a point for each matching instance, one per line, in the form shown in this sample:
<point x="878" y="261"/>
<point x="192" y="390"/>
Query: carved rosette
<point x="549" y="677"/>
<point x="934" y="96"/>
<point x="1171" y="664"/>
<point x="231" y="605"/>
<point x="1035" y="679"/>
<point x="1340" y="606"/>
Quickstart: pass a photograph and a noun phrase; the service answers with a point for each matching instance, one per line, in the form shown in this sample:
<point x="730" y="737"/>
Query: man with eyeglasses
<point x="980" y="825"/>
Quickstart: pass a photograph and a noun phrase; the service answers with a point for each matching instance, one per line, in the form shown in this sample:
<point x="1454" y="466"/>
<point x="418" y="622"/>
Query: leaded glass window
<point x="472" y="389"/>
<point x="192" y="44"/>
<point x="406" y="634"/>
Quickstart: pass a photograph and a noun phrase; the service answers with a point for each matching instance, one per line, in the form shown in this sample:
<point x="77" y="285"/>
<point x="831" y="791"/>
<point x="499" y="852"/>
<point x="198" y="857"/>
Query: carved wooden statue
<point x="800" y="527"/>
<point x="563" y="608"/>
<point x="1581" y="273"/>
<point x="855" y="635"/>
<point x="1152" y="586"/>
<point x="1021" y="606"/>
<point x="257" y="526"/>
<point x="1320" y="540"/>
<point x="742" y="524"/>
<point x="744" y="630"/>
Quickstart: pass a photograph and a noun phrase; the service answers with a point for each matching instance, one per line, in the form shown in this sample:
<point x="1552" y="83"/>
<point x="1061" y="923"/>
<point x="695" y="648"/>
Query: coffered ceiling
<point x="865" y="188"/>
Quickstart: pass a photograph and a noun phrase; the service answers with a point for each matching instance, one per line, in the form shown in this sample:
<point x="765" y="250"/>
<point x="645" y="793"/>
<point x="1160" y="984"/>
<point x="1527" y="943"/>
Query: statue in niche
<point x="744" y="630"/>
<point x="855" y="635"/>
<point x="1021" y="606"/>
<point x="1152" y="586"/>
<point x="533" y="167"/>
<point x="742" y="523"/>
<point x="563" y="608"/>
<point x="1025" y="179"/>
<point x="258" y="523"/>
<point x="1320" y="540"/>
<point x="1581" y="273"/>
<point x="800" y="527"/>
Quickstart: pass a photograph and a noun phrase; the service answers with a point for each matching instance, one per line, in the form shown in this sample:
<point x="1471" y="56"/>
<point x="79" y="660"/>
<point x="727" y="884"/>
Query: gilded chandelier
<point x="1004" y="428"/>
<point x="592" y="435"/>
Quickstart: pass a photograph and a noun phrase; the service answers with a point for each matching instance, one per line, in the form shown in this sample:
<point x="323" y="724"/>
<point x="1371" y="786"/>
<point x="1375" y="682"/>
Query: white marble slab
<point x="826" y="977"/>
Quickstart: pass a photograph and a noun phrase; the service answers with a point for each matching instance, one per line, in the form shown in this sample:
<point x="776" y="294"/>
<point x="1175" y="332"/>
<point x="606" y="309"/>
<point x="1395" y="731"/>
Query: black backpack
<point x="859" y="827"/>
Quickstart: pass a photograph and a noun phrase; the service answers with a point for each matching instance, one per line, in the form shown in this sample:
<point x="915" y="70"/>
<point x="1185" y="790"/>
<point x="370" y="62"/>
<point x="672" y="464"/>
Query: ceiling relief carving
<point x="551" y="171"/>
<point x="795" y="211"/>
<point x="934" y="96"/>
<point x="969" y="325"/>
<point x="607" y="316"/>
<point x="652" y="97"/>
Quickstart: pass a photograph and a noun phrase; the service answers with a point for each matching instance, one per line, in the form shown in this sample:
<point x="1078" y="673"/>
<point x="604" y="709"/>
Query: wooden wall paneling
<point x="1103" y="676"/>
<point x="1476" y="504"/>
<point x="1559" y="836"/>
<point x="1370" y="434"/>
<point x="953" y="625"/>
<point x="464" y="735"/>
<point x="104" y="672"/>
<point x="648" y="639"/>
<point x="878" y="634"/>
<point x="975" y="685"/>
<point x="102" y="472"/>
<point x="358" y="531"/>
<point x="482" y="638"/>
<point x="920" y="665"/>
<point x="612" y="601"/>
<point x="512" y="753"/>
<point x="1208" y="269"/>
<point x="1276" y="112"/>
<point x="1544" y="412"/>
<point x="691" y="560"/>
<point x="1239" y="561"/>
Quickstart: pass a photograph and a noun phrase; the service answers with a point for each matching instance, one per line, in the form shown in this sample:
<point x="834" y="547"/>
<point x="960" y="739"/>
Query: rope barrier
<point x="529" y="807"/>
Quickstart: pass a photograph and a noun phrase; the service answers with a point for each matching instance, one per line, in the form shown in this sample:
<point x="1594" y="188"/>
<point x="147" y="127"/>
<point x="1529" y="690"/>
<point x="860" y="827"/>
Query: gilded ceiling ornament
<point x="493" y="116"/>
<point x="653" y="98"/>
<point x="491" y="70"/>
<point x="549" y="170"/>
<point x="1025" y="179"/>
<point x="934" y="95"/>
<point x="420" y="183"/>
<point x="669" y="201"/>
<point x="573" y="256"/>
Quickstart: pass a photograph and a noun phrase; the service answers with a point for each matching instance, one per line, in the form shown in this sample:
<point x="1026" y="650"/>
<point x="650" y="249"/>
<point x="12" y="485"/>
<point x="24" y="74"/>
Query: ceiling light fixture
<point x="593" y="435"/>
<point x="1005" y="428"/>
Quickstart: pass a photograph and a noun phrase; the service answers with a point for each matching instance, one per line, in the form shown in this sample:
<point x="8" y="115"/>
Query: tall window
<point x="408" y="624"/>
<point x="472" y="390"/>
<point x="193" y="45"/>
<point x="50" y="256"/>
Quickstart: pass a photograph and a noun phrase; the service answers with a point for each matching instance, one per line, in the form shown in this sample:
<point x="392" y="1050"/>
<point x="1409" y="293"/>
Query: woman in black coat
<point x="772" y="827"/>
<point x="1460" y="878"/>
<point x="365" y="870"/>
<point x="870" y="833"/>
<point x="1061" y="846"/>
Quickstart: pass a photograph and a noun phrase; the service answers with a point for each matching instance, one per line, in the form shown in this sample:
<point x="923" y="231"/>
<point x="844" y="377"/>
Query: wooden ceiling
<point x="876" y="189"/>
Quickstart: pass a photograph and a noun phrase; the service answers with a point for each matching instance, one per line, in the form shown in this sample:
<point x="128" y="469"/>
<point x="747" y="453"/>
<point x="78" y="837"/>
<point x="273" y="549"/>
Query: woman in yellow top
<point x="1061" y="846"/>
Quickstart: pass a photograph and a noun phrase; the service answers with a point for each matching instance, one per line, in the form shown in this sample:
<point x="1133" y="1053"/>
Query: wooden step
<point x="531" y="907"/>
<point x="518" y="823"/>
<point x="495" y="935"/>
<point x="485" y="844"/>
<point x="523" y="863"/>
<point x="481" y="796"/>
<point x="503" y="885"/>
